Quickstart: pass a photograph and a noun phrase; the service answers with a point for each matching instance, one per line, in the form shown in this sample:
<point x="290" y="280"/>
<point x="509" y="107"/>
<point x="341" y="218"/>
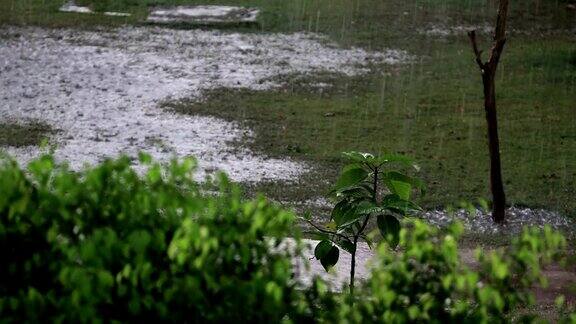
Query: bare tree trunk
<point x="496" y="186"/>
<point x="488" y="70"/>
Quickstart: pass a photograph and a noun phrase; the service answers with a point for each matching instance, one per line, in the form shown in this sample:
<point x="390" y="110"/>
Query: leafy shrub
<point x="368" y="189"/>
<point x="107" y="244"/>
<point x="569" y="319"/>
<point x="425" y="281"/>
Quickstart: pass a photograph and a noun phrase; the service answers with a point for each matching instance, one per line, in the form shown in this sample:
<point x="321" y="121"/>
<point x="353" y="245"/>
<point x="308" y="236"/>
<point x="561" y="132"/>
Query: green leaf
<point x="395" y="204"/>
<point x="397" y="181"/>
<point x="349" y="219"/>
<point x="327" y="253"/>
<point x="350" y="177"/>
<point x="144" y="158"/>
<point x="331" y="226"/>
<point x="331" y="258"/>
<point x="389" y="227"/>
<point x="322" y="249"/>
<point x="402" y="189"/>
<point x="340" y="210"/>
<point x="367" y="208"/>
<point x="355" y="192"/>
<point x="398" y="184"/>
<point x="346" y="245"/>
<point x="484" y="205"/>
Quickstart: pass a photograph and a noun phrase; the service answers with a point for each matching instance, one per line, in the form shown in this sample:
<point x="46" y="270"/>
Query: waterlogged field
<point x="288" y="131"/>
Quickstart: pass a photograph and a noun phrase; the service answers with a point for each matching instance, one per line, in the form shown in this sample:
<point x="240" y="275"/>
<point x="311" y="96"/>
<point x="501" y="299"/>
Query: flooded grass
<point x="24" y="134"/>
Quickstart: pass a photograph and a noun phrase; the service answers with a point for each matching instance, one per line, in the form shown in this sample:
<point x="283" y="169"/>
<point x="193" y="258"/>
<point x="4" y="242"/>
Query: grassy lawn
<point x="430" y="109"/>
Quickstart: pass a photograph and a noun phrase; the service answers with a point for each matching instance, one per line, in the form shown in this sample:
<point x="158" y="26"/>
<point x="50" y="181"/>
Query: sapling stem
<point x="359" y="233"/>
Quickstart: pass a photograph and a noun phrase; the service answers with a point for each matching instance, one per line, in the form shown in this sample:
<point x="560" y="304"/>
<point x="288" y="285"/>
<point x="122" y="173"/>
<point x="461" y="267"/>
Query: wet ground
<point x="99" y="94"/>
<point x="429" y="108"/>
<point x="102" y="89"/>
<point x="561" y="279"/>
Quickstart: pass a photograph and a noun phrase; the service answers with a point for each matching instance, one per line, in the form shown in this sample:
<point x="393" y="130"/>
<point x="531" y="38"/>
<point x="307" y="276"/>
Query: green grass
<point x="430" y="109"/>
<point x="363" y="22"/>
<point x="20" y="135"/>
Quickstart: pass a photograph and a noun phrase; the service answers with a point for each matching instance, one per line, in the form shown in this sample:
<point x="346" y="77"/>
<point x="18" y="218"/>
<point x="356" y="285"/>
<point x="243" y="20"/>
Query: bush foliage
<point x="425" y="280"/>
<point x="111" y="244"/>
<point x="106" y="244"/>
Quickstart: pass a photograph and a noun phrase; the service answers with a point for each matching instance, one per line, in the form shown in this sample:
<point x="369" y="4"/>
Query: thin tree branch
<point x="499" y="34"/>
<point x="326" y="231"/>
<point x="500" y="31"/>
<point x="368" y="166"/>
<point x="477" y="51"/>
<point x="496" y="52"/>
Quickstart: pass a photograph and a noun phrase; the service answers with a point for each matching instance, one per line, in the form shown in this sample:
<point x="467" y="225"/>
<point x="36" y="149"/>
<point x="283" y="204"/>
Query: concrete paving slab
<point x="203" y="15"/>
<point x="71" y="7"/>
<point x="117" y="14"/>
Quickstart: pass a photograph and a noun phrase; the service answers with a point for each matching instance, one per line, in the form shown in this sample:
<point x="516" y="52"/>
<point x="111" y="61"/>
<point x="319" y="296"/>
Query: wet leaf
<point x="330" y="259"/>
<point x="322" y="249"/>
<point x="389" y="227"/>
<point x="350" y="177"/>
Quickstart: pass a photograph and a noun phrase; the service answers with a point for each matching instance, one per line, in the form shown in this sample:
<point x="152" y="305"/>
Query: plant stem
<point x="353" y="271"/>
<point x="375" y="186"/>
<point x="325" y="231"/>
<point x="357" y="237"/>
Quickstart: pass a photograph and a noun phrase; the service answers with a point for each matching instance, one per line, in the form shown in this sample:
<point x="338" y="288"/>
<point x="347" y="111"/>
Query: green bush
<point x="425" y="280"/>
<point x="107" y="244"/>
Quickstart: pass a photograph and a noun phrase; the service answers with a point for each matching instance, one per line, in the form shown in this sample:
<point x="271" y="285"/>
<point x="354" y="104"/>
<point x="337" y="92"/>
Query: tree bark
<point x="496" y="185"/>
<point x="488" y="70"/>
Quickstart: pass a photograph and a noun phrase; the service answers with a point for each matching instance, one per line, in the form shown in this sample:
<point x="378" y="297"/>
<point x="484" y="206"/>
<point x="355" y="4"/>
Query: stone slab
<point x="207" y="14"/>
<point x="73" y="8"/>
